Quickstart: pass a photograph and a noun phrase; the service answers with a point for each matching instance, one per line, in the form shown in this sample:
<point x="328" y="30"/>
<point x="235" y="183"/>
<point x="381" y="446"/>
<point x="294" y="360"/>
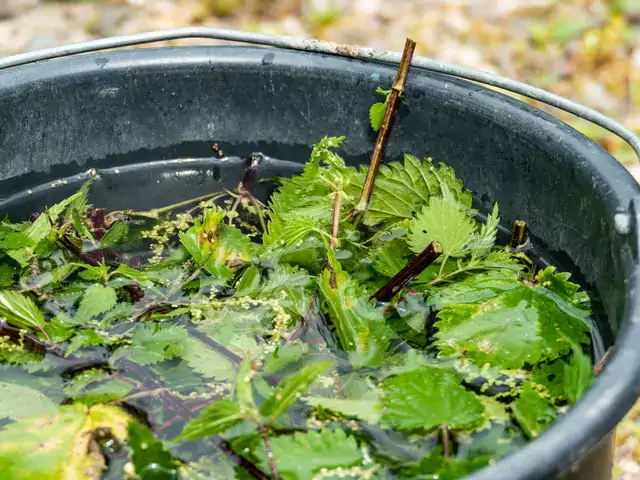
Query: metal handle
<point x="318" y="46"/>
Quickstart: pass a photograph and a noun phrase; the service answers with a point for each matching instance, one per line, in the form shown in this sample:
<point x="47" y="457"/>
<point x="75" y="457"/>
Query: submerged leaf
<point x="96" y="299"/>
<point x="287" y="391"/>
<point x="17" y="401"/>
<point x="216" y="418"/>
<point x="302" y="455"/>
<point x="151" y="460"/>
<point x="425" y="398"/>
<point x="59" y="445"/>
<point x="156" y="343"/>
<point x="364" y="409"/>
<point x="532" y="412"/>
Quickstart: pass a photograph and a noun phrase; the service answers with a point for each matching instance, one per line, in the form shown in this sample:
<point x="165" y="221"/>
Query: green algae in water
<point x="234" y="336"/>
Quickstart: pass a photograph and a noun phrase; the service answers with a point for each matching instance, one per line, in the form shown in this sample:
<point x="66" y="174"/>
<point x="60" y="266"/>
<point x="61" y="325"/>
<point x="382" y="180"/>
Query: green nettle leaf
<point x="559" y="283"/>
<point x="96" y="300"/>
<point x="84" y="339"/>
<point x="8" y="269"/>
<point x="208" y="362"/>
<point x="215" y="246"/>
<point x="80" y="227"/>
<point x="363" y="409"/>
<point x="426" y="398"/>
<point x="151" y="460"/>
<point x="283" y="357"/>
<point x="532" y="412"/>
<point x="153" y="343"/>
<point x="137" y="276"/>
<point x="20" y="311"/>
<point x="485" y="239"/>
<point x="519" y="326"/>
<point x="17" y="401"/>
<point x="402" y="188"/>
<point x="302" y="455"/>
<point x="377" y="110"/>
<point x="105" y="391"/>
<point x="287" y="391"/>
<point x="61" y="273"/>
<point x="116" y="234"/>
<point x="39" y="230"/>
<point x="216" y="418"/>
<point x="548" y="379"/>
<point x="442" y="221"/>
<point x="14" y="240"/>
<point x="376" y="115"/>
<point x="360" y="327"/>
<point x="578" y="376"/>
<point x="59" y="445"/>
<point x="436" y="466"/>
<point x="244" y="390"/>
<point x="474" y="288"/>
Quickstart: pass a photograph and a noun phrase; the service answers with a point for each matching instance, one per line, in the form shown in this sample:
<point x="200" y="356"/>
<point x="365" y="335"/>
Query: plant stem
<point x="254" y="160"/>
<point x="408" y="273"/>
<point x="214" y="345"/>
<point x="156" y="212"/>
<point x="518" y="235"/>
<point x="27" y="340"/>
<point x="597" y="370"/>
<point x="294" y="336"/>
<point x="335" y="221"/>
<point x="446" y="441"/>
<point x="385" y="130"/>
<point x="267" y="443"/>
<point x="69" y="245"/>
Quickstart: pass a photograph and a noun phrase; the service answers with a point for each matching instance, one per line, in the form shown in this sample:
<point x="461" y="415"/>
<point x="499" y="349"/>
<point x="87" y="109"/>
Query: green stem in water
<point x="385" y="130"/>
<point x="335" y="221"/>
<point x="157" y="212"/>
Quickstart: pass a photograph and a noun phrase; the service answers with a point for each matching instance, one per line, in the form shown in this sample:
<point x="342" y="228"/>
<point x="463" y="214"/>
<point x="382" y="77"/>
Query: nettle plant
<point x="362" y="324"/>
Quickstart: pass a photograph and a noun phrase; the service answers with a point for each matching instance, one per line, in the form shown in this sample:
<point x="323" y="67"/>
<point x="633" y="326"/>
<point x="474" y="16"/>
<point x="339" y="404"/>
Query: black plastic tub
<point x="115" y="111"/>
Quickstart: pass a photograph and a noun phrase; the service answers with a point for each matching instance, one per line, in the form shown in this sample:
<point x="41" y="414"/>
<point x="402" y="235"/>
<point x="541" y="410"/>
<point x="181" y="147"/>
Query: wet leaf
<point x="59" y="445"/>
<point x="20" y="311"/>
<point x="17" y="401"/>
<point x="287" y="391"/>
<point x="578" y="376"/>
<point x="216" y="418"/>
<point x="154" y="343"/>
<point x="151" y="460"/>
<point x="302" y="455"/>
<point x="96" y="300"/>
<point x="532" y="412"/>
<point x="444" y="222"/>
<point x="425" y="398"/>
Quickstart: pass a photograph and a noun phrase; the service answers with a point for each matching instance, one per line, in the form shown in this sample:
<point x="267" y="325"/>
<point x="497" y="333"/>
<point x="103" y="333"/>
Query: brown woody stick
<point x="518" y="235"/>
<point x="385" y="130"/>
<point x="408" y="273"/>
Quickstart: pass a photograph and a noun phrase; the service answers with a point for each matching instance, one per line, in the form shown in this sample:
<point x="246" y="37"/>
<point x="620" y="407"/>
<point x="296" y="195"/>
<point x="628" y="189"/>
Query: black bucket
<point x="124" y="113"/>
